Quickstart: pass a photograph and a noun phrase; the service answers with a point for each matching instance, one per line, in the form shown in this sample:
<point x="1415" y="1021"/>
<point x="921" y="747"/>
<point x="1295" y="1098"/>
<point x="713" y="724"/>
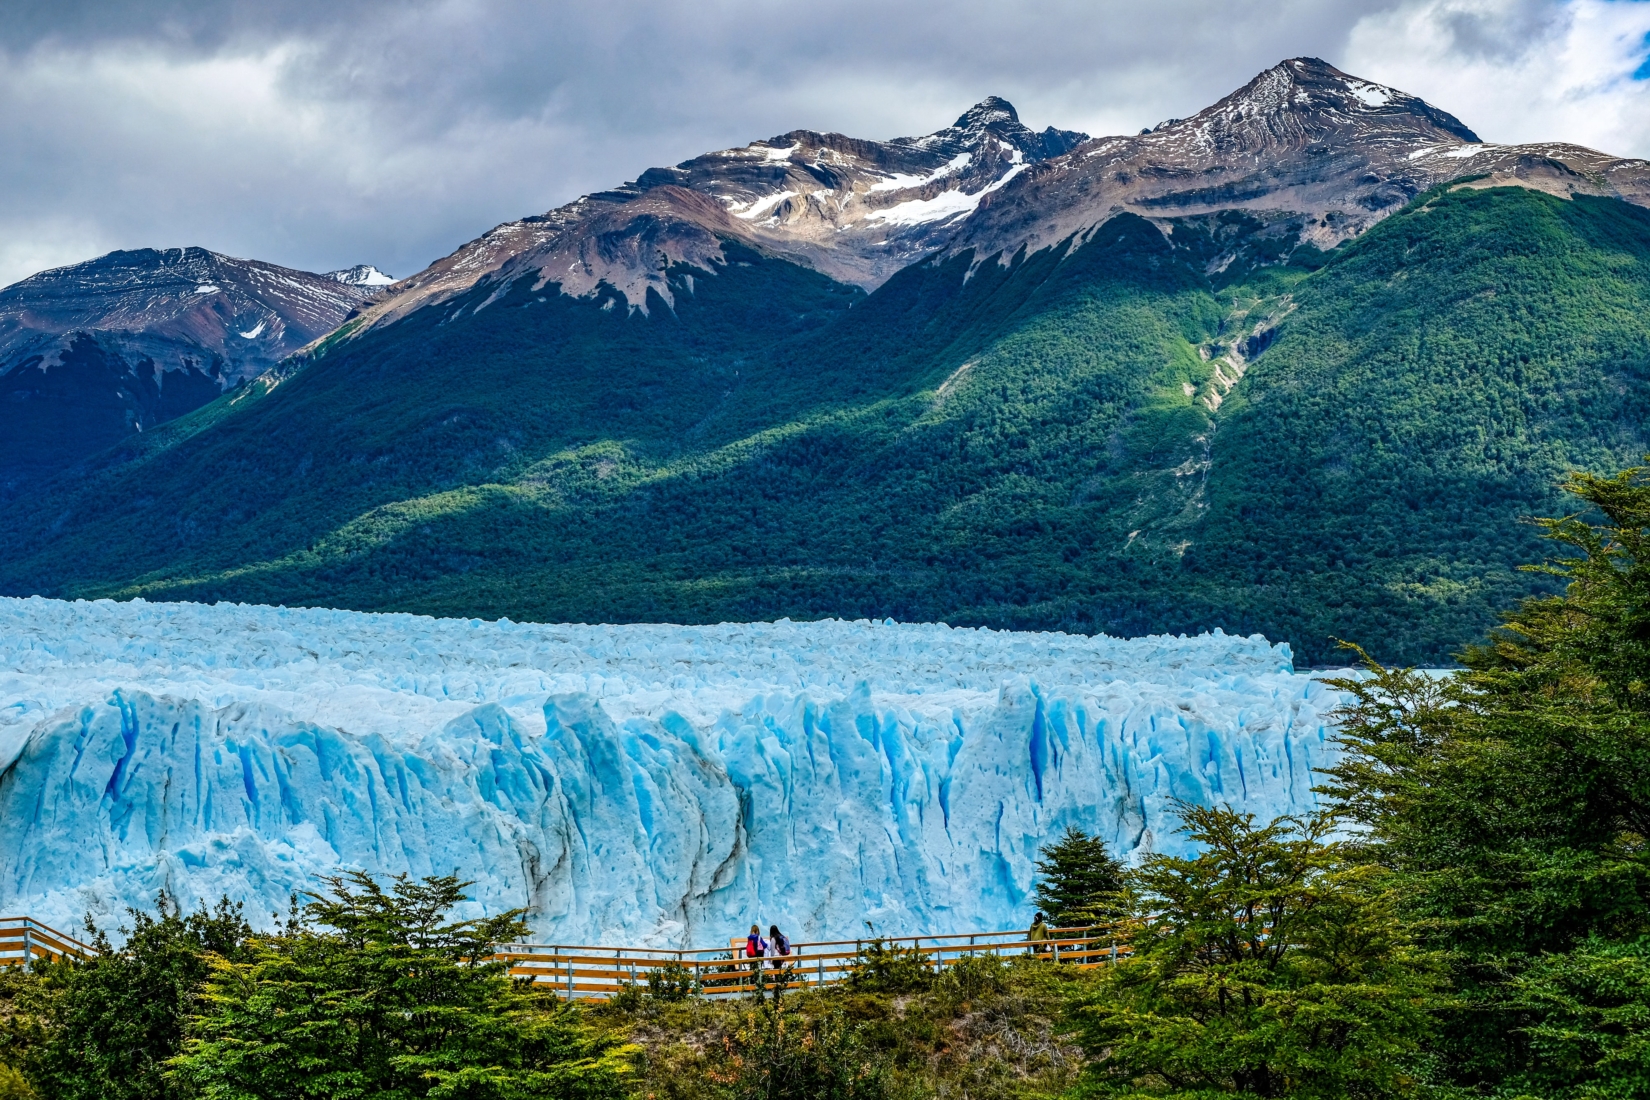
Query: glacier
<point x="648" y="785"/>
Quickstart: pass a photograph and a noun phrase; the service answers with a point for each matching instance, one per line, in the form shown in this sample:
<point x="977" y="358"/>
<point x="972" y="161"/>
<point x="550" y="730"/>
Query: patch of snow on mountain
<point x="901" y="181"/>
<point x="1371" y="95"/>
<point x="763" y="205"/>
<point x="256" y="331"/>
<point x="631" y="784"/>
<point x="947" y="204"/>
<point x="206" y="288"/>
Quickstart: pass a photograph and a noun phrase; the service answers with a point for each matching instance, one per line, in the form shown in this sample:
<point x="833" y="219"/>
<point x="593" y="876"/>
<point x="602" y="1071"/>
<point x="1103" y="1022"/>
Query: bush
<point x="890" y="968"/>
<point x="782" y="1055"/>
<point x="629" y="998"/>
<point x="103" y="1028"/>
<point x="671" y="983"/>
<point x="12" y="1085"/>
<point x="972" y="977"/>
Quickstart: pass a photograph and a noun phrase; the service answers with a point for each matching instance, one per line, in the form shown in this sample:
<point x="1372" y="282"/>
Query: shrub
<point x="782" y="1055"/>
<point x="971" y="978"/>
<point x="890" y="968"/>
<point x="671" y="983"/>
<point x="378" y="994"/>
<point x="12" y="1085"/>
<point x="629" y="998"/>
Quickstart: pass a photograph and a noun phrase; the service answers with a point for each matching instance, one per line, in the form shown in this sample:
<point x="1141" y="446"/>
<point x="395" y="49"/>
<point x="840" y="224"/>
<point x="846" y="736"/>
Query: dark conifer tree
<point x="1079" y="881"/>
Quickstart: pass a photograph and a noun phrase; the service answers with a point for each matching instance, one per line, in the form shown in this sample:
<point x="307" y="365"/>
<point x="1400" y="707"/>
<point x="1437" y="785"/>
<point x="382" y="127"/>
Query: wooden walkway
<point x="589" y="971"/>
<point x="580" y="971"/>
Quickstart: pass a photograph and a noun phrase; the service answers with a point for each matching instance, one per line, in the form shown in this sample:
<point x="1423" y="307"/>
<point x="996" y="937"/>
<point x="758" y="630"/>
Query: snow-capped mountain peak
<point x="1318" y="154"/>
<point x="857" y="210"/>
<point x="361" y="275"/>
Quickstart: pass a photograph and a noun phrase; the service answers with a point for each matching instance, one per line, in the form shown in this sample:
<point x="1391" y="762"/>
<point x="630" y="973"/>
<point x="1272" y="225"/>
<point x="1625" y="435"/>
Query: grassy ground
<point x="993" y="1034"/>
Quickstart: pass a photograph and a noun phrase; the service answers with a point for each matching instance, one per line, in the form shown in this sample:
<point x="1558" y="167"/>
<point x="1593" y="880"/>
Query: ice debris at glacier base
<point x="659" y="785"/>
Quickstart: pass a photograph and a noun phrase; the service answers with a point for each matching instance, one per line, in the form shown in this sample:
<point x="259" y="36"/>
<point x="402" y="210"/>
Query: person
<point x="1038" y="934"/>
<point x="778" y="946"/>
<point x="755" y="948"/>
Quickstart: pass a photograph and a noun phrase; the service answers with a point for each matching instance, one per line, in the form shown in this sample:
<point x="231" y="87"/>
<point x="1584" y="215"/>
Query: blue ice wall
<point x="643" y="784"/>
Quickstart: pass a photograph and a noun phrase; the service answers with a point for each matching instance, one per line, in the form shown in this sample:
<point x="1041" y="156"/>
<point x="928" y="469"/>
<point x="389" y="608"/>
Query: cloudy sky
<point x="322" y="133"/>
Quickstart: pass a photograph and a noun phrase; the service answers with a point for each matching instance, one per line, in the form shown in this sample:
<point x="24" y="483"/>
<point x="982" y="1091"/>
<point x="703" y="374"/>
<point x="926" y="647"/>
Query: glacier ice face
<point x="657" y="785"/>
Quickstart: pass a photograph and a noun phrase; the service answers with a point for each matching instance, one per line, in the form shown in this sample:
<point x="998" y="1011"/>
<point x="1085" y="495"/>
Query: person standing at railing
<point x="1037" y="935"/>
<point x="778" y="946"/>
<point x="755" y="949"/>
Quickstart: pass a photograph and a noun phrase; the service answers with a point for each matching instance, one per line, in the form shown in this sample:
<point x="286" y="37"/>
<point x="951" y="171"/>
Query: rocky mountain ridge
<point x="180" y="305"/>
<point x="1318" y="154"/>
<point x="1311" y="154"/>
<point x="854" y="209"/>
<point x="94" y="351"/>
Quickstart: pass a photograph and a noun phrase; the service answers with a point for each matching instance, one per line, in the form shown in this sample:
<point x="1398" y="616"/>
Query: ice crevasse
<point x="659" y="785"/>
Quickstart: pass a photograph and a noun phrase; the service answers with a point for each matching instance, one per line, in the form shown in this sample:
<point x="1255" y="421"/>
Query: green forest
<point x="1150" y="428"/>
<point x="1469" y="916"/>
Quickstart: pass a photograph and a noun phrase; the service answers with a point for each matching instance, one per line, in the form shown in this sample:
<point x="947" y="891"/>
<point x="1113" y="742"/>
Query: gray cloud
<point x="318" y="134"/>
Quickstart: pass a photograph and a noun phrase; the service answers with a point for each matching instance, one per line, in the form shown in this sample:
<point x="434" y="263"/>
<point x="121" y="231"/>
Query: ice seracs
<point x="636" y="784"/>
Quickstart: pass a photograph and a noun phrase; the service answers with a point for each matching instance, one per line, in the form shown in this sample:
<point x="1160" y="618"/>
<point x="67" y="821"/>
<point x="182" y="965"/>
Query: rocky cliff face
<point x="93" y="352"/>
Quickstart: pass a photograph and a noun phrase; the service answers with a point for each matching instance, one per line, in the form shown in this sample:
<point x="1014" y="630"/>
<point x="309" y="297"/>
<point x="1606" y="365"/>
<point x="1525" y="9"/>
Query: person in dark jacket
<point x="778" y="946"/>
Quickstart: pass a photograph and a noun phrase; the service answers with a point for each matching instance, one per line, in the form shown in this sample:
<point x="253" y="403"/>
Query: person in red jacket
<point x="755" y="948"/>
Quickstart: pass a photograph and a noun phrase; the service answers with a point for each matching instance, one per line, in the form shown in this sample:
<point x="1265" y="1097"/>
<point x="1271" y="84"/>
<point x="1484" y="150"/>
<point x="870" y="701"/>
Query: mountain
<point x="92" y="352"/>
<point x="855" y="210"/>
<point x="1318" y="154"/>
<point x="361" y="275"/>
<point x="1295" y="365"/>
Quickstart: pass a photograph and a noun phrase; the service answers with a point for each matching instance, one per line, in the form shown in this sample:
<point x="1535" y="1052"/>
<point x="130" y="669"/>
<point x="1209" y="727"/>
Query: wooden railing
<point x="583" y="970"/>
<point x="24" y="939"/>
<point x="598" y="972"/>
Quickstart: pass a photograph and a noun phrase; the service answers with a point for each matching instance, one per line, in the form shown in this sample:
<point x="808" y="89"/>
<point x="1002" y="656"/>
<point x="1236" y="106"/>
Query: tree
<point x="1512" y="800"/>
<point x="103" y="1028"/>
<point x="375" y="995"/>
<point x="1080" y="882"/>
<point x="1269" y="965"/>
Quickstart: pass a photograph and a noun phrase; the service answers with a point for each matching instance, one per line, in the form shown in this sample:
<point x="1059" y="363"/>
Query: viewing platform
<point x="579" y="971"/>
<point x="597" y="972"/>
<point x="24" y="939"/>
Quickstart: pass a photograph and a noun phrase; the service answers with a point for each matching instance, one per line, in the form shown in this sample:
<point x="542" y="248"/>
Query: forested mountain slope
<point x="1100" y="436"/>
